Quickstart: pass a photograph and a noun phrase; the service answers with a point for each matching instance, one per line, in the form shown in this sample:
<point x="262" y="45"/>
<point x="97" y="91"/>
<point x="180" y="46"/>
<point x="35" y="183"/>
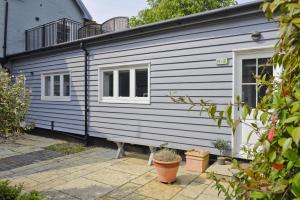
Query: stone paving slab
<point x="94" y="174"/>
<point x="84" y="188"/>
<point x="21" y="160"/>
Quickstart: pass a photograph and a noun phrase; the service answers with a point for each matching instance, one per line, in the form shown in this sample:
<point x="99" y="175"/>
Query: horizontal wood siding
<point x="183" y="62"/>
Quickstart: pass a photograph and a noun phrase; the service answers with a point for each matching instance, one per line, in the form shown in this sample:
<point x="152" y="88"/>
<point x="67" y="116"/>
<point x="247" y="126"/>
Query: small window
<point x="47" y="85"/>
<point x="141" y="83"/>
<point x="66" y="85"/>
<point x="108" y="84"/>
<point x="56" y="87"/>
<point x="125" y="84"/>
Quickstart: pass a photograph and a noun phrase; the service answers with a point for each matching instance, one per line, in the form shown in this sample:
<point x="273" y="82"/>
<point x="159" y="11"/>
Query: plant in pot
<point x="166" y="162"/>
<point x="222" y="146"/>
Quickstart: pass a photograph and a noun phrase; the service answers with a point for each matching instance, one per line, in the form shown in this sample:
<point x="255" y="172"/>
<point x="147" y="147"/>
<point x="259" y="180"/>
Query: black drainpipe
<point x="5" y="30"/>
<point x="86" y="109"/>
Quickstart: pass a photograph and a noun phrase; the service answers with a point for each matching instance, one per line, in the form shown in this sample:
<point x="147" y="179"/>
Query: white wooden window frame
<point x="121" y="67"/>
<point x="52" y="97"/>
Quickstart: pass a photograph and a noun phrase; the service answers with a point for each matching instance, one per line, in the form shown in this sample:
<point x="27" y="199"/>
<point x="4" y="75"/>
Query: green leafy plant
<point x="14" y="103"/>
<point x="221" y="145"/>
<point x="274" y="172"/>
<point x="8" y="192"/>
<point x="67" y="148"/>
<point x="159" y="10"/>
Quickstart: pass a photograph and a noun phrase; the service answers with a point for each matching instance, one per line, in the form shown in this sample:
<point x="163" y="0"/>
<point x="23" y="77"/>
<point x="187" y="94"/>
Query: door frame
<point x="237" y="55"/>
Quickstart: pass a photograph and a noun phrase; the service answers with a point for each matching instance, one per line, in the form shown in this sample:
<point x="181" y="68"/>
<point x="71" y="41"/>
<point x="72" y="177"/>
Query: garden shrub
<point x="274" y="172"/>
<point x="14" y="103"/>
<point x="8" y="192"/>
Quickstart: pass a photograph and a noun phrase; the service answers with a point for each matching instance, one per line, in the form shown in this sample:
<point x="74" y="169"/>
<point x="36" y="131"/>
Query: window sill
<point x="56" y="98"/>
<point x="125" y="100"/>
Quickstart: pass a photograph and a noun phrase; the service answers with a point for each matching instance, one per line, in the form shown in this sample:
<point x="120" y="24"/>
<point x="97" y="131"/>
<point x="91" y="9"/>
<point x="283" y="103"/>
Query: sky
<point x="102" y="10"/>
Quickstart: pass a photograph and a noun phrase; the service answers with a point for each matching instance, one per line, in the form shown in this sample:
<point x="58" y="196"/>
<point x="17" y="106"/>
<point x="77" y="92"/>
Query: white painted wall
<point x="22" y="14"/>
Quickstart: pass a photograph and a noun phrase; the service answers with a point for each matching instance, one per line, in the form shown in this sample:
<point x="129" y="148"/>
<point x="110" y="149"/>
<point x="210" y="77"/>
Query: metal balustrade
<point x="50" y="34"/>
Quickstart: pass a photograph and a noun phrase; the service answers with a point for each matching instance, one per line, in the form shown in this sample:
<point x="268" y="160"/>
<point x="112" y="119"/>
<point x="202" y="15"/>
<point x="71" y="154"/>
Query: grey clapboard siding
<point x="183" y="62"/>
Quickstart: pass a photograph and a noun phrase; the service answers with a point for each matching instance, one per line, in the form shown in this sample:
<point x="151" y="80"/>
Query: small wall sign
<point x="222" y="61"/>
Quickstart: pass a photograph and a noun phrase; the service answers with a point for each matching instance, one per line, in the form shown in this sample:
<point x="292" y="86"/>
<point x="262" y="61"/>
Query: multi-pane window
<point x="251" y="68"/>
<point x="125" y="84"/>
<point x="56" y="87"/>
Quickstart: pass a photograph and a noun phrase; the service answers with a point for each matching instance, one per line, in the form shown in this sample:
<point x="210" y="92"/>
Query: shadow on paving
<point x="90" y="192"/>
<point x="13" y="162"/>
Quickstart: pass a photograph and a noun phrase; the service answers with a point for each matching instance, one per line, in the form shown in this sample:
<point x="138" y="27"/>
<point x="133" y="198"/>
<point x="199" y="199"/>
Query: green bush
<point x="14" y="103"/>
<point x="8" y="192"/>
<point x="221" y="145"/>
<point x="31" y="196"/>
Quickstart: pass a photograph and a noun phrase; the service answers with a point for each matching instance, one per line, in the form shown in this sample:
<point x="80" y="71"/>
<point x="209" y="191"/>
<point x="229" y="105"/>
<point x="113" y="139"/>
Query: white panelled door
<point x="247" y="65"/>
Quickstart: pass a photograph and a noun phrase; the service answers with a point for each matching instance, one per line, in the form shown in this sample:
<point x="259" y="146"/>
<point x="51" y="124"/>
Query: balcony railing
<point x="56" y="32"/>
<point x="112" y="25"/>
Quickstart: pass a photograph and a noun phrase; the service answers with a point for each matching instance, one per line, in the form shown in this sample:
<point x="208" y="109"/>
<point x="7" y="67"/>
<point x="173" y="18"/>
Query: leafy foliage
<point x="221" y="145"/>
<point x="14" y="102"/>
<point x="8" y="192"/>
<point x="274" y="171"/>
<point x="168" y="9"/>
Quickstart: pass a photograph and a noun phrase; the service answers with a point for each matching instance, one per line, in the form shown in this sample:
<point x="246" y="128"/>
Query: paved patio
<point x="93" y="174"/>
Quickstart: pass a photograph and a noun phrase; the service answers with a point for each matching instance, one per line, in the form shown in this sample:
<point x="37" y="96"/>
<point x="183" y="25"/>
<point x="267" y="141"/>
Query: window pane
<point x="47" y="85"/>
<point x="249" y="95"/>
<point x="261" y="93"/>
<point x="108" y="84"/>
<point x="249" y="71"/>
<point x="141" y="82"/>
<point x="66" y="85"/>
<point x="124" y="83"/>
<point x="57" y="85"/>
<point x="264" y="68"/>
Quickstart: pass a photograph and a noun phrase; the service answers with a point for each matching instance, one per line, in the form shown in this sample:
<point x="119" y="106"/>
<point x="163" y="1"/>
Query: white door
<point x="247" y="65"/>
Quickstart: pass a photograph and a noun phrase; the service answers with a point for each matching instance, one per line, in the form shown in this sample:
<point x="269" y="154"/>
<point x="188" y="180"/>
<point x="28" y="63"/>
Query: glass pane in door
<point x="248" y="71"/>
<point x="249" y="95"/>
<point x="265" y="68"/>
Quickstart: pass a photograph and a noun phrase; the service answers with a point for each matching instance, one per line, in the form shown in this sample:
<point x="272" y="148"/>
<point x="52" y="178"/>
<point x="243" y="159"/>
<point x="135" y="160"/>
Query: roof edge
<point x="232" y="11"/>
<point x="86" y="14"/>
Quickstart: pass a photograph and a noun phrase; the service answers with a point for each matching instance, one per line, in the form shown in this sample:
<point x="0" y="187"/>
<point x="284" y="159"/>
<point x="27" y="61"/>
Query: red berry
<point x="271" y="134"/>
<point x="278" y="166"/>
<point x="285" y="92"/>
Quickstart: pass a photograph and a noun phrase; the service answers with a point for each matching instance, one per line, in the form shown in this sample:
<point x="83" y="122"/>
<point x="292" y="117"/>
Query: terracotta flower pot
<point x="166" y="171"/>
<point x="197" y="160"/>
